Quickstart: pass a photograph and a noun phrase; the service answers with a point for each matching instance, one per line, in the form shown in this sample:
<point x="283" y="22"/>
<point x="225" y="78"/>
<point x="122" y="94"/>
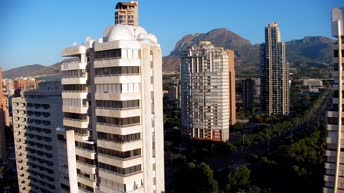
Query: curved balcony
<point x="123" y="130"/>
<point x="117" y="79"/>
<point x="120" y="146"/>
<point x="115" y="61"/>
<point x="118" y="96"/>
<point x="76" y="123"/>
<point x="108" y="112"/>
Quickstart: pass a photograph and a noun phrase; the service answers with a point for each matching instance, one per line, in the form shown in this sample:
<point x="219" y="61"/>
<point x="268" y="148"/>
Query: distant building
<point x="274" y="73"/>
<point x="250" y="92"/>
<point x="334" y="170"/>
<point x="207" y="92"/>
<point x="173" y="93"/>
<point x="312" y="85"/>
<point x="127" y="13"/>
<point x="36" y="116"/>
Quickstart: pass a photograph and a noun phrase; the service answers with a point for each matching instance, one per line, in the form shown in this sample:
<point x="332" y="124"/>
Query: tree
<point x="196" y="178"/>
<point x="238" y="179"/>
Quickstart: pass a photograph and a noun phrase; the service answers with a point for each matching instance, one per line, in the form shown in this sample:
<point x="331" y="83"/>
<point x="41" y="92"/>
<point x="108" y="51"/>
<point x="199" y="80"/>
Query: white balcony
<point x="122" y="163"/>
<point x="74" y="65"/>
<point x="108" y="190"/>
<point x="117" y="79"/>
<point x="80" y="137"/>
<point x="73" y="51"/>
<point x="86" y="167"/>
<point x="115" y="61"/>
<point x="118" y="96"/>
<point x="123" y="179"/>
<point x="75" y="123"/>
<point x="118" y="130"/>
<point x="86" y="181"/>
<point x="80" y="80"/>
<point x="72" y="109"/>
<point x="74" y="94"/>
<point x="120" y="146"/>
<point x="106" y="112"/>
<point x="85" y="153"/>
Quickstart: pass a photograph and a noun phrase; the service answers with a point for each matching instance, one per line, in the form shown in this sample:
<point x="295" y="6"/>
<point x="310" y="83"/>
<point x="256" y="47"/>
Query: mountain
<point x="34" y="70"/>
<point x="309" y="51"/>
<point x="22" y="71"/>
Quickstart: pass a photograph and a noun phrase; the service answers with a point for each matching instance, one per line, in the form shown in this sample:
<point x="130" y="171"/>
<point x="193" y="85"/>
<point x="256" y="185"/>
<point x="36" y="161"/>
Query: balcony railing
<point x="114" y="108"/>
<point x="110" y="58"/>
<point x="78" y="120"/>
<point x="124" y="74"/>
<point x="119" y="174"/>
<point x="118" y="158"/>
<point x="121" y="126"/>
<point x="74" y="91"/>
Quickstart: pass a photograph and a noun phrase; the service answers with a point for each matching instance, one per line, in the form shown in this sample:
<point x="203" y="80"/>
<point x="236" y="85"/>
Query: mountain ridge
<point x="309" y="50"/>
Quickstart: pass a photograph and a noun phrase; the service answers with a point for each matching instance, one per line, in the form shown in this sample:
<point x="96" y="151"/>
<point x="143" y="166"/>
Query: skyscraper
<point x="112" y="104"/>
<point x="207" y="92"/>
<point x="274" y="74"/>
<point x="2" y="122"/>
<point x="334" y="179"/>
<point x="36" y="115"/>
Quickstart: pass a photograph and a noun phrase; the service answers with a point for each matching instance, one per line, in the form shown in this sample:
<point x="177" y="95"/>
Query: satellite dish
<point x="74" y="43"/>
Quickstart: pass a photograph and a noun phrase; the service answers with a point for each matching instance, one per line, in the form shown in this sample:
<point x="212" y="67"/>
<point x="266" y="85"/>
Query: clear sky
<point x="35" y="31"/>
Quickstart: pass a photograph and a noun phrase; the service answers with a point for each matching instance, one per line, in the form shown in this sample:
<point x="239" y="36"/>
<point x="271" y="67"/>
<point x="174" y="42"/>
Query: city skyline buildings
<point x="112" y="104"/>
<point x="41" y="26"/>
<point x="208" y="105"/>
<point x="274" y="73"/>
<point x="36" y="116"/>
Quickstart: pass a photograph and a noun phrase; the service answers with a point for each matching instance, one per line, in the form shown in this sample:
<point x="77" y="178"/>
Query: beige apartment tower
<point x="112" y="104"/>
<point x="274" y="74"/>
<point x="207" y="92"/>
<point x="36" y="116"/>
<point x="334" y="170"/>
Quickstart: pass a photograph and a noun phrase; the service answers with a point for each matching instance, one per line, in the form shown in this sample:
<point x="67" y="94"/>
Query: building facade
<point x="207" y="92"/>
<point x="274" y="73"/>
<point x="333" y="177"/>
<point x="250" y="93"/>
<point x="36" y="115"/>
<point x="112" y="104"/>
<point x="3" y="108"/>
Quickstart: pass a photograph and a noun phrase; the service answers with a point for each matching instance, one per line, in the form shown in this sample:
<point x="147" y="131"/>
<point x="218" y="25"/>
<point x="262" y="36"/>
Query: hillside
<point x="307" y="51"/>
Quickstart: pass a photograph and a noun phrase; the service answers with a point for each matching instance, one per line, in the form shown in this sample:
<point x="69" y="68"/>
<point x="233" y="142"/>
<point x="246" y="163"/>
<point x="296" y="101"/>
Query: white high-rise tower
<point x="112" y="98"/>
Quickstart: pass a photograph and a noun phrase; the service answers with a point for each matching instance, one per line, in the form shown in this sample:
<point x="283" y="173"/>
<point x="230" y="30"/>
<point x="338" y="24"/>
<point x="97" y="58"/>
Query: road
<point x="239" y="157"/>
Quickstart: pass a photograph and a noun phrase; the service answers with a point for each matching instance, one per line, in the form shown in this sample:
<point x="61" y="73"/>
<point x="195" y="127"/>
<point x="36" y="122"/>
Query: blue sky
<point x="35" y="31"/>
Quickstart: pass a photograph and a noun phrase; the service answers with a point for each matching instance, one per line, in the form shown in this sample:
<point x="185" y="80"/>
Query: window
<point x="123" y="171"/>
<point x="130" y="104"/>
<point x="101" y="55"/>
<point x="118" y="121"/>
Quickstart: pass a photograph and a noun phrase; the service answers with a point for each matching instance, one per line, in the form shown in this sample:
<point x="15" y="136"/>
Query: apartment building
<point x="333" y="177"/>
<point x="274" y="73"/>
<point x="207" y="92"/>
<point x="36" y="115"/>
<point x="112" y="105"/>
